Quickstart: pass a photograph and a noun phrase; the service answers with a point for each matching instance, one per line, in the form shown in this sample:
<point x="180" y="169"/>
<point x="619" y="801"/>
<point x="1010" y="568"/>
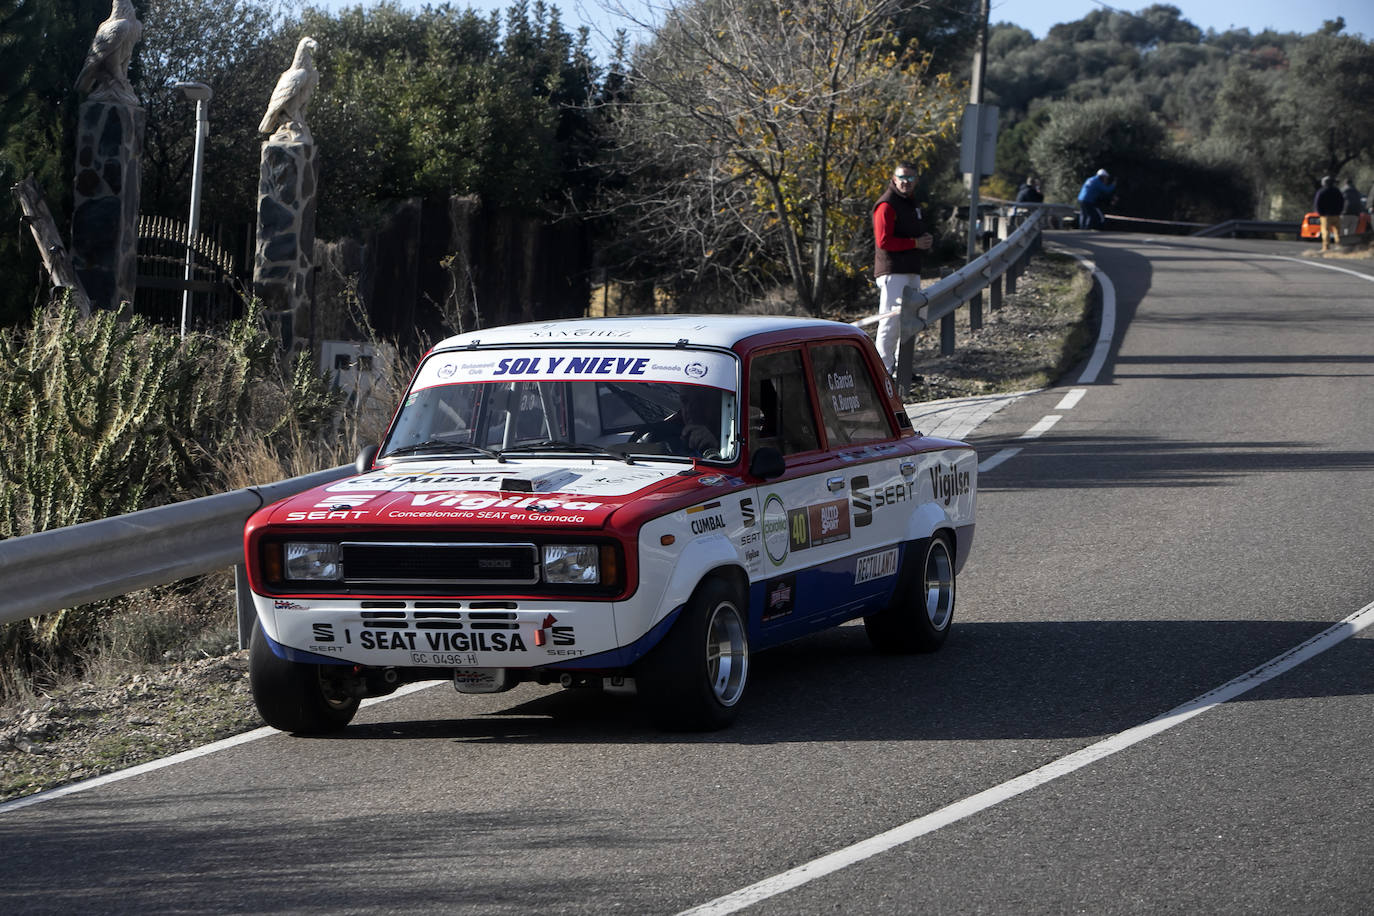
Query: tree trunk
<point x="50" y="248"/>
<point x="792" y="249"/>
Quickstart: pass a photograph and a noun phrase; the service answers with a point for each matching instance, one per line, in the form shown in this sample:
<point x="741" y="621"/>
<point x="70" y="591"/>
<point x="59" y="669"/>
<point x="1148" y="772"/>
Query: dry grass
<point x="1037" y="335"/>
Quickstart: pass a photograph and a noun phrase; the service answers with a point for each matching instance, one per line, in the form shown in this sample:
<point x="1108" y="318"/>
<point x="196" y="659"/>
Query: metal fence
<point x="218" y="277"/>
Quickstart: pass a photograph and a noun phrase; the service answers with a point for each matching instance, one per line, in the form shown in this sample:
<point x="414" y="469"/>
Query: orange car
<point x="1312" y="226"/>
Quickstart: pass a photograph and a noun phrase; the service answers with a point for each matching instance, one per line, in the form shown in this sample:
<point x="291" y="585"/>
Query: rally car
<point x="636" y="504"/>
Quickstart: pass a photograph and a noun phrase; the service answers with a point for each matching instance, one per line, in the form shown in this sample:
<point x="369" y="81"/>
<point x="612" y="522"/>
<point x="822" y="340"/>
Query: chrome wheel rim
<point x="939" y="580"/>
<point x="727" y="654"/>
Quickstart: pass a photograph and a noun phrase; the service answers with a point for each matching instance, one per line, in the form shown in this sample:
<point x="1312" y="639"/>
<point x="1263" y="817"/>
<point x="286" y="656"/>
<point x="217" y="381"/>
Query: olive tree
<point x="1120" y="135"/>
<point x="1329" y="101"/>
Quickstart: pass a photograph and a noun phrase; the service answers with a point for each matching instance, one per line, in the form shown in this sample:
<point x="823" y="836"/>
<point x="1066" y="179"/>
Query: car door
<point x="804" y="574"/>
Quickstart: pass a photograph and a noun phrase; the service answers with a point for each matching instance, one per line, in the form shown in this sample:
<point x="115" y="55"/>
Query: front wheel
<point x="299" y="698"/>
<point x="922" y="609"/>
<point x="694" y="679"/>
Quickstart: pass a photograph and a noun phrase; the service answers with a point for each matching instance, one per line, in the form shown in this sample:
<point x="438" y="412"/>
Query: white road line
<point x="1090" y="372"/>
<point x="1041" y="427"/>
<point x="995" y="460"/>
<point x="1108" y="328"/>
<point x="1071" y="399"/>
<point x="192" y="754"/>
<point x="850" y="855"/>
<point x="1251" y="255"/>
<point x="1343" y="270"/>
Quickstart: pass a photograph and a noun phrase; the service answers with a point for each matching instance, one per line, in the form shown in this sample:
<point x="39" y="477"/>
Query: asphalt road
<point x="1203" y="508"/>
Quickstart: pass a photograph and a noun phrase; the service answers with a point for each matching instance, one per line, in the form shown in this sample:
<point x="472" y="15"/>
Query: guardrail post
<point x="911" y="324"/>
<point x="995" y="293"/>
<point x="947" y="335"/>
<point x="975" y="312"/>
<point x="244" y="612"/>
<point x="1011" y="277"/>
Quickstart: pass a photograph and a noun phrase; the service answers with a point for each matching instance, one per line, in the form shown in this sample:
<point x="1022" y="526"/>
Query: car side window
<point x="780" y="413"/>
<point x="851" y="408"/>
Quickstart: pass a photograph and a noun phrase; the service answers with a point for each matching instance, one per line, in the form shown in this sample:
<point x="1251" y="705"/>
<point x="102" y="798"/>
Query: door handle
<point x="835" y="484"/>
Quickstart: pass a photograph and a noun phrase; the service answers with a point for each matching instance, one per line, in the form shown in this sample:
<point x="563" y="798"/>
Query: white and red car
<point x="630" y="503"/>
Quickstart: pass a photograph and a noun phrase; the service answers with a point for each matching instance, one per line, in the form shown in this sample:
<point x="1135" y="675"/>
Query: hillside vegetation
<point x="730" y="154"/>
<point x="1197" y="125"/>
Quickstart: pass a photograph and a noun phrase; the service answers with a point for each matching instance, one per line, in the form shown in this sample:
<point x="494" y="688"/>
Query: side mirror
<point x="365" y="459"/>
<point x="767" y="463"/>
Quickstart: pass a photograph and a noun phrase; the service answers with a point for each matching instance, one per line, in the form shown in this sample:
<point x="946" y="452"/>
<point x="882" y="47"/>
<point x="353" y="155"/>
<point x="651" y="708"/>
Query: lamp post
<point x="200" y="94"/>
<point x="976" y="103"/>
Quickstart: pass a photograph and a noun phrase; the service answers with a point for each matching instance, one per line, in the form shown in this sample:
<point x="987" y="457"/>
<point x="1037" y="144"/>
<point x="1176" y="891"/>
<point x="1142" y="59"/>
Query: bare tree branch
<point x="756" y="133"/>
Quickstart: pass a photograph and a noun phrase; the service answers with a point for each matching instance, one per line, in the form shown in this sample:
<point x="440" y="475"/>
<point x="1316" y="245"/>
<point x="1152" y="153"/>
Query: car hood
<point x="567" y="492"/>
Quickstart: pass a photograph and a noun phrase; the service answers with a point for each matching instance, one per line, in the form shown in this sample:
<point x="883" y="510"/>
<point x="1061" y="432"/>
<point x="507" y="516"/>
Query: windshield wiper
<point x="559" y="445"/>
<point x="444" y="445"/>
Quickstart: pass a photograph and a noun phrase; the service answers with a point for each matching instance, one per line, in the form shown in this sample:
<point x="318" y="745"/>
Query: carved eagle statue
<point x="286" y="110"/>
<point x="105" y="75"/>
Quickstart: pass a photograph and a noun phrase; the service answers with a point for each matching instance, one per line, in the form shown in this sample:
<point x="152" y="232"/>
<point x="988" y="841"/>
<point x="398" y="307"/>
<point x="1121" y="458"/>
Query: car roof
<point x="697" y="330"/>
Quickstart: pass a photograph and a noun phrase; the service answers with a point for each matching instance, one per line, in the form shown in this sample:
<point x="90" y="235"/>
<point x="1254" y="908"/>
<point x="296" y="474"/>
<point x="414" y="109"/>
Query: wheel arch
<point x="704" y="557"/>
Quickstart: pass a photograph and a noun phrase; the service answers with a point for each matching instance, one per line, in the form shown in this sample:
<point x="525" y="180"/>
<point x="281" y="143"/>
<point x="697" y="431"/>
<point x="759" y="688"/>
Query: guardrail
<point x="66" y="567"/>
<point x="920" y="308"/>
<point x="1234" y="227"/>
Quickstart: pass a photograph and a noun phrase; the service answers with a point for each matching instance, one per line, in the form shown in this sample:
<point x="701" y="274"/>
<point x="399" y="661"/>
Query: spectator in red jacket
<point x="899" y="237"/>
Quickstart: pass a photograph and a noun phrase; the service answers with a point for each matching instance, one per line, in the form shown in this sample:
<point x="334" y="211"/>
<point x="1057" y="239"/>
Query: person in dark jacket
<point x="1328" y="204"/>
<point x="1350" y="212"/>
<point x="899" y="237"/>
<point x="1028" y="193"/>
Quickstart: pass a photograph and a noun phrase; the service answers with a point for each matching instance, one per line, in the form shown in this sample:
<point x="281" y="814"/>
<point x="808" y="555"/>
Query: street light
<point x="200" y="94"/>
<point x="980" y="51"/>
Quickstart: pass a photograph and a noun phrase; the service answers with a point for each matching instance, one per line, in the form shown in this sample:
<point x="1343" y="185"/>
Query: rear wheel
<point x="299" y="698"/>
<point x="922" y="610"/>
<point x="694" y="679"/>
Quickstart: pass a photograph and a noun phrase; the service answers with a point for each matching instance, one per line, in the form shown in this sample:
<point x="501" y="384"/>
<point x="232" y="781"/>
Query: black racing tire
<point x="922" y="610"/>
<point x="299" y="698"/>
<point x="694" y="680"/>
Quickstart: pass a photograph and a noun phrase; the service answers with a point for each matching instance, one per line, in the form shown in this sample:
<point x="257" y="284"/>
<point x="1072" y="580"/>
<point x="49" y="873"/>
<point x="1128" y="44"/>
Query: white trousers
<point x="890" y="288"/>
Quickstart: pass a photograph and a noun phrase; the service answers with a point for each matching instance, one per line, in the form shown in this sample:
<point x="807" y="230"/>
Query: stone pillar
<point x="109" y="150"/>
<point x="283" y="274"/>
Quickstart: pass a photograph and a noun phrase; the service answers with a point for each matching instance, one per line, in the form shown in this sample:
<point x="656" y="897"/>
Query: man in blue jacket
<point x="1095" y="192"/>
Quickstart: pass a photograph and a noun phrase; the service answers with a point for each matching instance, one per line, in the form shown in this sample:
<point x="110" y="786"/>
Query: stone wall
<point x="283" y="264"/>
<point x="109" y="148"/>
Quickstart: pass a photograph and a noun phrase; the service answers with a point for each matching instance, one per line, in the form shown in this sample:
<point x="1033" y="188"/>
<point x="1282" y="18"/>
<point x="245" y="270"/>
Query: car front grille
<point x="424" y="563"/>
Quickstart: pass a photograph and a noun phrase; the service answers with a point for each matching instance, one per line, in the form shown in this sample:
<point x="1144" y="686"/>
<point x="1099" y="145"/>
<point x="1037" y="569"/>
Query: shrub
<point x="105" y="415"/>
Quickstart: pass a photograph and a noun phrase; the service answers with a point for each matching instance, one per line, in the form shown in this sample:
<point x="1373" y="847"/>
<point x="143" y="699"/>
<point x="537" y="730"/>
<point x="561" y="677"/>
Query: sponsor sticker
<point x="779" y="597"/>
<point x="775" y="536"/>
<point x="571" y="362"/>
<point x="878" y="565"/>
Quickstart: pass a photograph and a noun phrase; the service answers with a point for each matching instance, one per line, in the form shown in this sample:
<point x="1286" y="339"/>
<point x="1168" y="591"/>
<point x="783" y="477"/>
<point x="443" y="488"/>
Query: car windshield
<point x="639" y="403"/>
